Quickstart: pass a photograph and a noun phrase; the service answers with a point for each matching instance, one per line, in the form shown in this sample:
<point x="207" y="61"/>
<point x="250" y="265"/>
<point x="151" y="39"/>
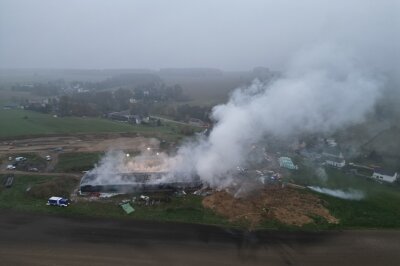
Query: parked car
<point x="20" y="159"/>
<point x="48" y="158"/>
<point x="33" y="169"/>
<point x="10" y="167"/>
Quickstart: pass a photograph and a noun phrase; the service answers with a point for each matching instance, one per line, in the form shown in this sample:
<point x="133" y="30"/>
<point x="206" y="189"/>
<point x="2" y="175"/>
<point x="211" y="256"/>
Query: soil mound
<point x="287" y="205"/>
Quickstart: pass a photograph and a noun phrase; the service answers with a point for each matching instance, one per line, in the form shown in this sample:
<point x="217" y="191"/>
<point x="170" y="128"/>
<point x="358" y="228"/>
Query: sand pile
<point x="287" y="205"/>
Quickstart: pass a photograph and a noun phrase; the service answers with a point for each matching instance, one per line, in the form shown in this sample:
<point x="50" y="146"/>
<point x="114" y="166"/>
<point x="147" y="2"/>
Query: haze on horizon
<point x="226" y="34"/>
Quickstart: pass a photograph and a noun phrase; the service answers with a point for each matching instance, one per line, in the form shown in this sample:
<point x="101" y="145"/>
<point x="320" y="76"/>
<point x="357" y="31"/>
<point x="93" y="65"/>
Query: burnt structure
<point x="136" y="182"/>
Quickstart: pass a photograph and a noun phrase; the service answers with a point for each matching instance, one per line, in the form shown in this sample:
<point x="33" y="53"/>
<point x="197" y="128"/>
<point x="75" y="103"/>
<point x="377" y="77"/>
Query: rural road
<point x="15" y="172"/>
<point x="33" y="239"/>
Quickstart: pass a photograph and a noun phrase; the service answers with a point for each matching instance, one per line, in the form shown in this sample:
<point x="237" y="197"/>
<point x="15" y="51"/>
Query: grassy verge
<point x="77" y="162"/>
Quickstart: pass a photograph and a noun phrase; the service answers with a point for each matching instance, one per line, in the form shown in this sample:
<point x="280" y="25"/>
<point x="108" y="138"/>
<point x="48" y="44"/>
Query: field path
<point x="6" y="172"/>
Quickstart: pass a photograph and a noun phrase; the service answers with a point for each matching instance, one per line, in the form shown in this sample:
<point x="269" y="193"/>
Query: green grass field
<point x="185" y="209"/>
<point x="379" y="209"/>
<point x="77" y="162"/>
<point x="16" y="123"/>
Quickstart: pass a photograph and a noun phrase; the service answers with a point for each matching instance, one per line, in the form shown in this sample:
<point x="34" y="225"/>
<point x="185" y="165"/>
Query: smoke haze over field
<point x="349" y="194"/>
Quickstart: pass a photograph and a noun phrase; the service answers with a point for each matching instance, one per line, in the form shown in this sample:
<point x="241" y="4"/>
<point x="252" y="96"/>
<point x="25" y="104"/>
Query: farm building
<point x="383" y="175"/>
<point x="332" y="152"/>
<point x="125" y="116"/>
<point x="196" y="122"/>
<point x="136" y="182"/>
<point x="335" y="162"/>
<point x="286" y="162"/>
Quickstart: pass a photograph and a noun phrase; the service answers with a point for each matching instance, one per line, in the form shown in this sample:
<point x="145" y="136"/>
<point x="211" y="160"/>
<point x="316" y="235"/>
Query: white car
<point x="20" y="159"/>
<point x="48" y="158"/>
<point x="10" y="167"/>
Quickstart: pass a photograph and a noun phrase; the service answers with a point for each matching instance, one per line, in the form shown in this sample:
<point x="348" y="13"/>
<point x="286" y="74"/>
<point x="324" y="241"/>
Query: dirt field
<point x="78" y="143"/>
<point x="287" y="205"/>
<point x="31" y="239"/>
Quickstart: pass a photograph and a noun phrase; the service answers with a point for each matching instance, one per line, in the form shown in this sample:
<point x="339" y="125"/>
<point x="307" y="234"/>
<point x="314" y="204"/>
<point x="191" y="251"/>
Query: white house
<point x="332" y="152"/>
<point x="336" y="162"/>
<point x="331" y="142"/>
<point x="387" y="176"/>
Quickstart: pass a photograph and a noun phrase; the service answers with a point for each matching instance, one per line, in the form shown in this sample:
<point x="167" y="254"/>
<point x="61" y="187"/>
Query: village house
<point x="332" y="152"/>
<point x="125" y="116"/>
<point x="333" y="157"/>
<point x="384" y="175"/>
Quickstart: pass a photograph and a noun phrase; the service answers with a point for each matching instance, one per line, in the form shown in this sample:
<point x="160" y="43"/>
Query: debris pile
<point x="288" y="206"/>
<point x="127" y="208"/>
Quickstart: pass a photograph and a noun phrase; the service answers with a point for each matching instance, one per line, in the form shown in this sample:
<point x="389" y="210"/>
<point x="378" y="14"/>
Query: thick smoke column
<point x="115" y="163"/>
<point x="323" y="89"/>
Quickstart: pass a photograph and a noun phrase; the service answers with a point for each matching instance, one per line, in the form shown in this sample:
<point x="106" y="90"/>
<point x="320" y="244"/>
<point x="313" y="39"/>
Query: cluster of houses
<point x="329" y="154"/>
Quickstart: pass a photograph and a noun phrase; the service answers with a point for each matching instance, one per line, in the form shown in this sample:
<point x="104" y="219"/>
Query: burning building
<point x="148" y="172"/>
<point x="136" y="182"/>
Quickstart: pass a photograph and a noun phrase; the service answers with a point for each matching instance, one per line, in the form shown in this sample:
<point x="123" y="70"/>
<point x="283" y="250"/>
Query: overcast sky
<point x="226" y="34"/>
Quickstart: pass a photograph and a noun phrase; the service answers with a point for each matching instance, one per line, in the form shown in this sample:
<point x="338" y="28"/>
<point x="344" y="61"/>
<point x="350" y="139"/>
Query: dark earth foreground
<point x="33" y="239"/>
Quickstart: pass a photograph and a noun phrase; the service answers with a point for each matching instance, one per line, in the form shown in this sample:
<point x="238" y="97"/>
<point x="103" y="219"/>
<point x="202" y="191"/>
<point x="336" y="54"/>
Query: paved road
<point x="33" y="239"/>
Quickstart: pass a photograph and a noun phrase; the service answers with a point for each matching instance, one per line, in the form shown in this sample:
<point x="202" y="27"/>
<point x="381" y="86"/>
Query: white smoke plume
<point x="321" y="174"/>
<point x="349" y="194"/>
<point x="324" y="89"/>
<point x="116" y="162"/>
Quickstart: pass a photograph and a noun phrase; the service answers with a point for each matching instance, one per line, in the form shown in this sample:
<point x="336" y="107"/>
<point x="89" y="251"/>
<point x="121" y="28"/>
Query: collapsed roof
<point x="136" y="182"/>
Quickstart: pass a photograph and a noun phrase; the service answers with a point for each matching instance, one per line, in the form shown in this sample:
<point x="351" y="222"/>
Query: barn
<point x="136" y="182"/>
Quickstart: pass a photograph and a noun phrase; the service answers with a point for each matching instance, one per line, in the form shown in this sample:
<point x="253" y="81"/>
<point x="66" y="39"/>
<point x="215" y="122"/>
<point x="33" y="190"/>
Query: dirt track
<point x="79" y="143"/>
<point x="32" y="239"/>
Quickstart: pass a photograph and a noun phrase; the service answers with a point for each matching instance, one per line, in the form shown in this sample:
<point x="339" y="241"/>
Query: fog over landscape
<point x="231" y="35"/>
